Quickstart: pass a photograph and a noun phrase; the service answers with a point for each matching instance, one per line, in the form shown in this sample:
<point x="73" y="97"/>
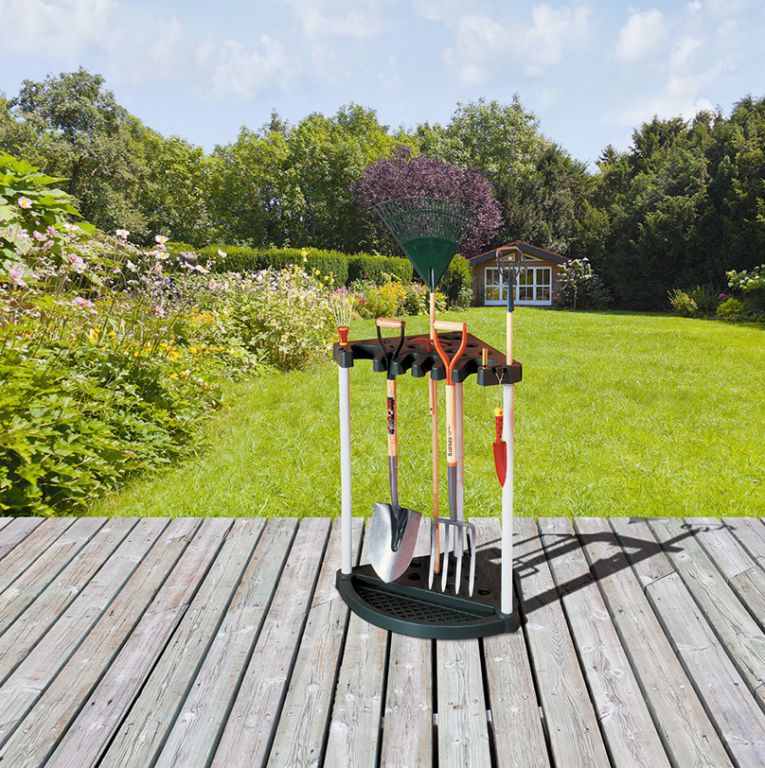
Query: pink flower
<point x="78" y="263"/>
<point x="24" y="202"/>
<point x="39" y="236"/>
<point x="15" y="274"/>
<point x="159" y="311"/>
<point x="48" y="245"/>
<point x="50" y="231"/>
<point x="161" y="239"/>
<point x="723" y="296"/>
<point x="81" y="303"/>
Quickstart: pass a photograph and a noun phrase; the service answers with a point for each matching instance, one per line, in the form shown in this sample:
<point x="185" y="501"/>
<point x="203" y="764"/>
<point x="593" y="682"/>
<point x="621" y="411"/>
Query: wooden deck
<point x="222" y="643"/>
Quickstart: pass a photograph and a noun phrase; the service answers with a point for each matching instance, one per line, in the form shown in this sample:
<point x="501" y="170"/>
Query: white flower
<point x="161" y="239"/>
<point x="24" y="202"/>
<point x="132" y="267"/>
<point x="122" y="234"/>
<point x="222" y="254"/>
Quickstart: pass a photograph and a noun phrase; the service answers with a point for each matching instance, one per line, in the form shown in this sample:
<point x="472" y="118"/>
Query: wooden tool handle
<point x="449" y="325"/>
<point x="451" y="426"/>
<point x="389" y="322"/>
<point x="392" y="419"/>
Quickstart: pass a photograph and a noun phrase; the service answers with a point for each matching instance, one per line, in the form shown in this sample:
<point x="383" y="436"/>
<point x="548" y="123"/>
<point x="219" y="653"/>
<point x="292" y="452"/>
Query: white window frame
<point x="536" y="283"/>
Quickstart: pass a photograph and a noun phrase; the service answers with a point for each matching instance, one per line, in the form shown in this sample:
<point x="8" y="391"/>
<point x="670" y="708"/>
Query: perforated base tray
<point x="408" y="607"/>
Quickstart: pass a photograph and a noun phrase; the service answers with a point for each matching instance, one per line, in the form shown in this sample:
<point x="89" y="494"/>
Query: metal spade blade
<point x="392" y="539"/>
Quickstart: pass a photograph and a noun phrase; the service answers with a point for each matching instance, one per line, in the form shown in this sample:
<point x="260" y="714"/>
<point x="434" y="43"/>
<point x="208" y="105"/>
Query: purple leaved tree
<point x="405" y="176"/>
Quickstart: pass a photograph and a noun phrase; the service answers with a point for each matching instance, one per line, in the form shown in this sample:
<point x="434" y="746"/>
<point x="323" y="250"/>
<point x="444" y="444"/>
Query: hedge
<point x="363" y="266"/>
<point x="344" y="268"/>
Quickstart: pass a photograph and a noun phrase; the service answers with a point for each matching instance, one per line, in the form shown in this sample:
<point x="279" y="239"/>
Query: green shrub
<point x="416" y="300"/>
<point x="706" y="299"/>
<point x="378" y="269"/>
<point x="457" y="283"/>
<point x="581" y="288"/>
<point x="732" y="309"/>
<point x="682" y="303"/>
<point x="386" y="300"/>
<point x="243" y="259"/>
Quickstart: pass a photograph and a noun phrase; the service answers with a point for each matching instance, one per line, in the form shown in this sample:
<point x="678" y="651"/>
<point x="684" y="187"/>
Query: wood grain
<point x="572" y="726"/>
<point x="685" y="729"/>
<point x="203" y="713"/>
<point x="302" y="729"/>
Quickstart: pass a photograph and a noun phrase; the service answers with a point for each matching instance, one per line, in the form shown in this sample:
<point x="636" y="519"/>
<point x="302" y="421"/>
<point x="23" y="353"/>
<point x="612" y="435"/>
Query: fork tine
<point x="471" y="545"/>
<point x="458" y="556"/>
<point x="433" y="556"/>
<point x="445" y="565"/>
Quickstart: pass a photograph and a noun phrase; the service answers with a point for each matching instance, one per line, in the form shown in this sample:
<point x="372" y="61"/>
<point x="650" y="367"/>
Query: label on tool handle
<point x="391" y="415"/>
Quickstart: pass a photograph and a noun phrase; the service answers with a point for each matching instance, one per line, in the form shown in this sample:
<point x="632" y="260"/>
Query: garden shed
<point x="538" y="282"/>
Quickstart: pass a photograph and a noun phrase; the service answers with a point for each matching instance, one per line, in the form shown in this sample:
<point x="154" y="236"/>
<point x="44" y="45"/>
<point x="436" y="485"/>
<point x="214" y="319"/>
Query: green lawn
<point x="617" y="414"/>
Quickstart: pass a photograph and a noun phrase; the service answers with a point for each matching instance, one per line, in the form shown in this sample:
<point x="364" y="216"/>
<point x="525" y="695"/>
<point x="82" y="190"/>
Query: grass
<point x="617" y="414"/>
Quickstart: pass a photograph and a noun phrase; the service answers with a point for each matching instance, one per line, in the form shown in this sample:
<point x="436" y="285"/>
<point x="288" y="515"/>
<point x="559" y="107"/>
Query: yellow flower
<point x="92" y="335"/>
<point x="174" y="376"/>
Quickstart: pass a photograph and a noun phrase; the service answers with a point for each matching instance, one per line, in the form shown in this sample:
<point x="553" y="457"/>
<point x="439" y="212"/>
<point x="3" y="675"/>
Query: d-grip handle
<point x="389" y="322"/>
<point x="450" y="325"/>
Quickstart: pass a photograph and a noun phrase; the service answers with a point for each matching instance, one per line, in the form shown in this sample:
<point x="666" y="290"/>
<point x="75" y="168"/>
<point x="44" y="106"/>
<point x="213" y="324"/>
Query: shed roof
<point x="527" y="248"/>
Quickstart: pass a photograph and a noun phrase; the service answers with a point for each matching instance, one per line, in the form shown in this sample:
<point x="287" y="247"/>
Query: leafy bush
<point x="682" y="303"/>
<point x="581" y="288"/>
<point x="706" y="299"/>
<point x="243" y="259"/>
<point x="457" y="283"/>
<point x="386" y="300"/>
<point x="752" y="285"/>
<point x="732" y="309"/>
<point x="378" y="269"/>
<point x="416" y="300"/>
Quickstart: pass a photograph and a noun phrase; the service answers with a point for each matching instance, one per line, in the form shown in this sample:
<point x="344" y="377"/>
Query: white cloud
<point x="694" y="6"/>
<point x="66" y="27"/>
<point x="683" y="52"/>
<point x="484" y="45"/>
<point x="643" y="33"/>
<point x="355" y="22"/>
<point x="244" y="71"/>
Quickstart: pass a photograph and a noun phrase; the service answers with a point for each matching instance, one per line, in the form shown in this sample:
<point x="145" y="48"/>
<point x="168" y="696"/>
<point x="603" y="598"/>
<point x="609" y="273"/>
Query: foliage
<point x="581" y="288"/>
<point x="682" y="303"/>
<point x="752" y="285"/>
<point x="330" y="264"/>
<point x="732" y="309"/>
<point x="457" y="283"/>
<point x="378" y="269"/>
<point x="386" y="300"/>
<point x="403" y="175"/>
<point x="706" y="299"/>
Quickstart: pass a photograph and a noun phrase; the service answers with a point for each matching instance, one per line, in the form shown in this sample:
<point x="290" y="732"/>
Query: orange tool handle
<point x="389" y="322"/>
<point x="439" y="325"/>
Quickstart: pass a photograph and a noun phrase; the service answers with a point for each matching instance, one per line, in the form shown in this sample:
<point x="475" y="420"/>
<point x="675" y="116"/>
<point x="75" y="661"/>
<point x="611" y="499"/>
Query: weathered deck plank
<point x="45" y="660"/>
<point x="407" y="738"/>
<point x="192" y="643"/>
<point x="686" y="731"/>
<point x="247" y="736"/>
<point x="34" y="545"/>
<point x="572" y="726"/>
<point x="153" y="713"/>
<point x="302" y="729"/>
<point x="15" y="532"/>
<point x="627" y="725"/>
<point x="733" y="624"/>
<point x="87" y="737"/>
<point x="750" y="533"/>
<point x="355" y="722"/>
<point x="517" y="727"/>
<point x="40" y="604"/>
<point x="203" y="713"/>
<point x="40" y="731"/>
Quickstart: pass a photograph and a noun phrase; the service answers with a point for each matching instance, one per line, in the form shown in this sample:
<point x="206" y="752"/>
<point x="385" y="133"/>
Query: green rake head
<point x="429" y="231"/>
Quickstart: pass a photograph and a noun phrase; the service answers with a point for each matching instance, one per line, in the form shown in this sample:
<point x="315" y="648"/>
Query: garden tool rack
<point x="407" y="605"/>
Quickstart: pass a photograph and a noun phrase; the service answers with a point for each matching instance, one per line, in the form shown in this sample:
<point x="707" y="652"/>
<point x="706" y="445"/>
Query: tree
<point x="73" y="127"/>
<point x="403" y="176"/>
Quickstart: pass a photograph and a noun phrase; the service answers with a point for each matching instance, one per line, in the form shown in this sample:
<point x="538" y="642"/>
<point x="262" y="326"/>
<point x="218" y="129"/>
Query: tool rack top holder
<point x="407" y="605"/>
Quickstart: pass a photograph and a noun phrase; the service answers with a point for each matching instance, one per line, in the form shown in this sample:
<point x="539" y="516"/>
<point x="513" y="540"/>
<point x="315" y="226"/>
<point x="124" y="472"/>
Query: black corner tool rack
<point x="408" y="605"/>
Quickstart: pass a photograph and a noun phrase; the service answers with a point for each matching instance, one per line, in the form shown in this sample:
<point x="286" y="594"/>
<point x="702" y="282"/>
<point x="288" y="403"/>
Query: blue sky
<point x="591" y="71"/>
